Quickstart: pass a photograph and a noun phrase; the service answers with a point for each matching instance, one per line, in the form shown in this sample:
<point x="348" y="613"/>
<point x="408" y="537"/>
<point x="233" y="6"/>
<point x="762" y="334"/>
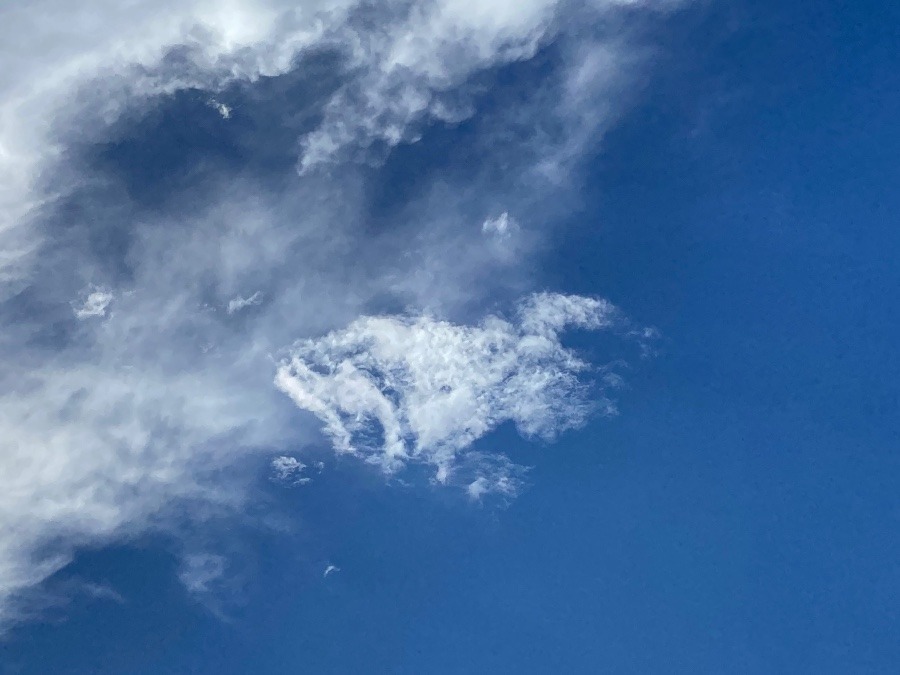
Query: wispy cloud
<point x="502" y="226"/>
<point x="397" y="389"/>
<point x="289" y="470"/>
<point x="123" y="409"/>
<point x="202" y="572"/>
<point x="94" y="305"/>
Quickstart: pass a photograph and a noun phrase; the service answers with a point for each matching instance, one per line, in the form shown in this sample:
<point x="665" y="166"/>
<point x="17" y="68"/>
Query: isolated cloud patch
<point x="397" y="388"/>
<point x="203" y="573"/>
<point x="501" y="227"/>
<point x="95" y="304"/>
<point x="289" y="471"/>
<point x="239" y="302"/>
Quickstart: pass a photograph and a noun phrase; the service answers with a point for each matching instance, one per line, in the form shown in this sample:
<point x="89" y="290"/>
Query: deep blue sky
<point x="739" y="515"/>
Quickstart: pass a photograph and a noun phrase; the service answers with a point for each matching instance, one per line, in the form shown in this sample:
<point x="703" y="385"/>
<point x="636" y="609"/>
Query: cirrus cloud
<point x="110" y="426"/>
<point x="399" y="389"/>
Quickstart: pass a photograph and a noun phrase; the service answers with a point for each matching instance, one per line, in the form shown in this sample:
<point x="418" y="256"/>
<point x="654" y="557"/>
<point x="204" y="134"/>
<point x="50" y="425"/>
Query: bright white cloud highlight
<point x="223" y="110"/>
<point x="289" y="470"/>
<point x="397" y="389"/>
<point x="115" y="423"/>
<point x="94" y="305"/>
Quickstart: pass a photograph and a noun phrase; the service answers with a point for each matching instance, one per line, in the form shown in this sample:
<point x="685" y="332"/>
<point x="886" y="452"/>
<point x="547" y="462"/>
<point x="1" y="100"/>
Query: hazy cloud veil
<point x="159" y="326"/>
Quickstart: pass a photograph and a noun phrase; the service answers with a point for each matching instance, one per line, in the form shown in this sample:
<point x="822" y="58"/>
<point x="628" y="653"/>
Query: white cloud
<point x="289" y="470"/>
<point x="414" y="69"/>
<point x="100" y="592"/>
<point x="396" y="389"/>
<point x="201" y="573"/>
<point x="223" y="110"/>
<point x="130" y="423"/>
<point x="478" y="488"/>
<point x="501" y="227"/>
<point x="483" y="474"/>
<point x="94" y="305"/>
<point x="238" y="303"/>
<point x="411" y="66"/>
<point x="70" y="69"/>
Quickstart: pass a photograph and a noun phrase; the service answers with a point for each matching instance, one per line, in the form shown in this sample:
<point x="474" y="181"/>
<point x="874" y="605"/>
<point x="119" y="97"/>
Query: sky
<point x="439" y="336"/>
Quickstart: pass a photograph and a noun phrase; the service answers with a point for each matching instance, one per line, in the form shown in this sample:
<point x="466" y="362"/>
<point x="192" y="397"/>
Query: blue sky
<point x="561" y="335"/>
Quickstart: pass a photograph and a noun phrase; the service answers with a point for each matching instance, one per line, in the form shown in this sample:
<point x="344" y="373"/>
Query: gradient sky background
<point x="740" y="512"/>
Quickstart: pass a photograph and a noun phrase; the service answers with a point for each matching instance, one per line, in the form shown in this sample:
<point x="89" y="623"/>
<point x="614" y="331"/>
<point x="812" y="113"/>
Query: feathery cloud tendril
<point x="396" y="389"/>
